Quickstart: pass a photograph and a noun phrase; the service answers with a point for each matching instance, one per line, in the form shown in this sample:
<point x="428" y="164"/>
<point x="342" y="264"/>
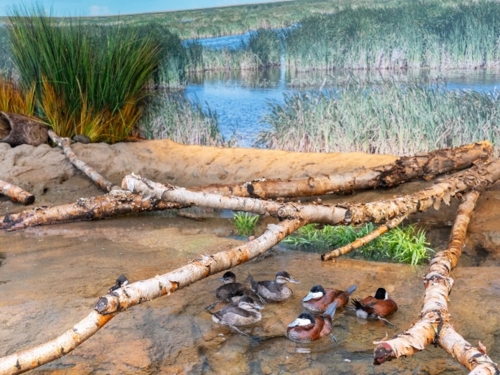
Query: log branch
<point x="117" y="202"/>
<point x="402" y="170"/>
<point x="16" y="194"/>
<point x="142" y="291"/>
<point x="65" y="143"/>
<point x="382" y="229"/>
<point x="434" y="323"/>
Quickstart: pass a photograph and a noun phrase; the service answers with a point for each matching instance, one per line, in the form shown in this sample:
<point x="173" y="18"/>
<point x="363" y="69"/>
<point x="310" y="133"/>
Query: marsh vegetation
<point x="69" y="69"/>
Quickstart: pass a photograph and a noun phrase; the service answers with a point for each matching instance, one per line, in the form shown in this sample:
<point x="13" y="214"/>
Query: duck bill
<point x="257" y="306"/>
<point x="311" y="296"/>
<point x="293" y="281"/>
<point x="295" y="323"/>
<point x="299" y="323"/>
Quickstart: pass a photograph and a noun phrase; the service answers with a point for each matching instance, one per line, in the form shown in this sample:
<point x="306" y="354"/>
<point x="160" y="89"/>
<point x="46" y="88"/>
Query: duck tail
<point x="351" y="289"/>
<point x="357" y="304"/>
<point x="330" y="310"/>
<point x="253" y="284"/>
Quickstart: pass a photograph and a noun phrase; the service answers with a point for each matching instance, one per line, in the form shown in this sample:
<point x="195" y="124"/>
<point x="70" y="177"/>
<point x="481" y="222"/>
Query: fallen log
<point x="475" y="178"/>
<point x="115" y="203"/>
<point x="365" y="239"/>
<point x="142" y="291"/>
<point x="434" y="324"/>
<point x="65" y="143"/>
<point x="426" y="165"/>
<point x="16" y="194"/>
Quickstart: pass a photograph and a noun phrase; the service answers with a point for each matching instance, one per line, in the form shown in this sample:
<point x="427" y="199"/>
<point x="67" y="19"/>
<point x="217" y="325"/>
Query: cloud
<point x="97" y="10"/>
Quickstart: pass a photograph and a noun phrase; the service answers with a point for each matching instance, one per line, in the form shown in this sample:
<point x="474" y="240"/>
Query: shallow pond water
<point x="52" y="277"/>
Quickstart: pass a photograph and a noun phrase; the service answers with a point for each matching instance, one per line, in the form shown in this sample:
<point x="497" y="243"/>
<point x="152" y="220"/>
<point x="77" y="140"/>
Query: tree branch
<point x="402" y="170"/>
<point x="16" y="194"/>
<point x="65" y="143"/>
<point x="434" y="324"/>
<point x="365" y="239"/>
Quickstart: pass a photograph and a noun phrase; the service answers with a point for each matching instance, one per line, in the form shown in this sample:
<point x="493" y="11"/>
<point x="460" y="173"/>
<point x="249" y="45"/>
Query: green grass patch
<point x="386" y="117"/>
<point x="400" y="245"/>
<point x="170" y="115"/>
<point x="436" y="35"/>
<point x="245" y="223"/>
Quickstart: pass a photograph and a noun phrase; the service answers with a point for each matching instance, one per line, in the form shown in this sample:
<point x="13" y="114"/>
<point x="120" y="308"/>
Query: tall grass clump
<point x="386" y="117"/>
<point x="83" y="72"/>
<point x="15" y="100"/>
<point x="401" y="245"/>
<point x="411" y="35"/>
<point x="263" y="49"/>
<point x="245" y="223"/>
<point x="266" y="46"/>
<point x="181" y="120"/>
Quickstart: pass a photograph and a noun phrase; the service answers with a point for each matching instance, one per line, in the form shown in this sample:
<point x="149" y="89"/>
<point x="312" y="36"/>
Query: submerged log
<point x="16" y="194"/>
<point x="434" y="324"/>
<point x="142" y="291"/>
<point x="425" y="166"/>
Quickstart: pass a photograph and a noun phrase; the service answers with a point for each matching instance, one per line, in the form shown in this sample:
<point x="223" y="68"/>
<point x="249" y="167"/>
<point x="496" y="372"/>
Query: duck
<point x="231" y="290"/>
<point x="273" y="290"/>
<point x="243" y="312"/>
<point x="378" y="307"/>
<point x="319" y="298"/>
<point x="120" y="282"/>
<point x="308" y="327"/>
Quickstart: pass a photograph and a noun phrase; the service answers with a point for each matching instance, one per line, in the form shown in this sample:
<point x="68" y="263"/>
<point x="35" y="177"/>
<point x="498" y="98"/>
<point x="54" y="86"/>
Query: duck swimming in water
<point x="377" y="307"/>
<point x="230" y="291"/>
<point x="240" y="313"/>
<point x="307" y="328"/>
<point x="273" y="290"/>
<point x="319" y="298"/>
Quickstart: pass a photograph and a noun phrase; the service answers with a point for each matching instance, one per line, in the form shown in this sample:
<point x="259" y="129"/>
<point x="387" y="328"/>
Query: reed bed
<point x="170" y="115"/>
<point x="386" y="117"/>
<point x="263" y="49"/>
<point x="418" y="34"/>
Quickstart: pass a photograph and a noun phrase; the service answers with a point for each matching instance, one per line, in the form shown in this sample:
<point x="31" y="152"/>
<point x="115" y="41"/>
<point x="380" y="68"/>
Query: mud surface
<point x="51" y="277"/>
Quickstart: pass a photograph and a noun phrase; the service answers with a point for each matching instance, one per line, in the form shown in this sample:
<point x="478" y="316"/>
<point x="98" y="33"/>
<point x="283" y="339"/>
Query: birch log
<point x="434" y="323"/>
<point x="477" y="177"/>
<point x="100" y="181"/>
<point x="365" y="239"/>
<point x="142" y="291"/>
<point x="404" y="169"/>
<point x="16" y="194"/>
<point x="117" y="202"/>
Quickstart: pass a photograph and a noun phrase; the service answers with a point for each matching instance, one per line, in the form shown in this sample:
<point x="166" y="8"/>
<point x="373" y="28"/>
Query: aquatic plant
<point x="245" y="223"/>
<point x="402" y="245"/>
<point x="172" y="116"/>
<point x="411" y="35"/>
<point x="82" y="72"/>
<point x="381" y="117"/>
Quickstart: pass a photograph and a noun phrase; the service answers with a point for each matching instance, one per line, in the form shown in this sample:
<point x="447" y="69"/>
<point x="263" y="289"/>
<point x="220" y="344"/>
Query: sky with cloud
<point x="112" y="7"/>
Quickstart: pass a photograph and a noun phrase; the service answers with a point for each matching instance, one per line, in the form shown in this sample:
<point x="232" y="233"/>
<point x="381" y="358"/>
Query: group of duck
<point x="320" y="305"/>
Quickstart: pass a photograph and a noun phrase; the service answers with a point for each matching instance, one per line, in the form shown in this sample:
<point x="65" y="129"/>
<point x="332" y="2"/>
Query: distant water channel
<point x="240" y="99"/>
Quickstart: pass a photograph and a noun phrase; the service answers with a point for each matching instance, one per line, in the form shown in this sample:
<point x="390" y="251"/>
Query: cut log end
<point x="383" y="353"/>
